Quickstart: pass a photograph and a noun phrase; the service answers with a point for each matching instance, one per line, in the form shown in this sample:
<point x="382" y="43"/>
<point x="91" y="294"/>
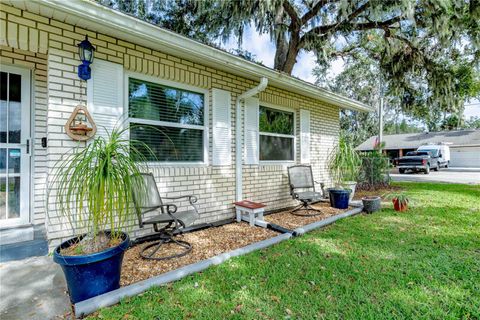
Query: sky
<point x="264" y="51"/>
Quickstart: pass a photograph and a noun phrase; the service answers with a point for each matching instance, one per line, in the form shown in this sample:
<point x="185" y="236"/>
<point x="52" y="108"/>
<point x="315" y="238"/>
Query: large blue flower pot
<point x="339" y="198"/>
<point x="93" y="274"/>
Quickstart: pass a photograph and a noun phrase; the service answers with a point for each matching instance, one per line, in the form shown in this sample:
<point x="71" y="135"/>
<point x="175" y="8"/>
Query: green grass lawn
<point x="423" y="264"/>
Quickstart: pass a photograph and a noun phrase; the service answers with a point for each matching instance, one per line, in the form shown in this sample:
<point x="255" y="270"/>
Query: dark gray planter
<point x="371" y="204"/>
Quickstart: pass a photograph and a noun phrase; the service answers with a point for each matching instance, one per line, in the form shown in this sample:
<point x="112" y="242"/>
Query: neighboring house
<point x="464" y="145"/>
<point x="223" y="147"/>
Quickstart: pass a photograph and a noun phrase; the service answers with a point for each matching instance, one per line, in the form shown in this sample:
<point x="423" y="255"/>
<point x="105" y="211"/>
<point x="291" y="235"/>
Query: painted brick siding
<point x="56" y="41"/>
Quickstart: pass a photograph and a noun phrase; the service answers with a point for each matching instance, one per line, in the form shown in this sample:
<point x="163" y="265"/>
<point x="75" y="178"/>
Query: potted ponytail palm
<point x="344" y="166"/>
<point x="94" y="191"/>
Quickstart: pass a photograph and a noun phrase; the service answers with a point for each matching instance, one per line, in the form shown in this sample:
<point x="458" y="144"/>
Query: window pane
<point x="14" y="197"/>
<point x="13" y="160"/>
<point x="3" y="121"/>
<point x="15" y="87"/>
<point x="3" y="160"/>
<point x="3" y="86"/>
<point x="153" y="101"/>
<point x="276" y="121"/>
<point x="276" y="148"/>
<point x="14" y="122"/>
<point x="167" y="143"/>
<point x="3" y="198"/>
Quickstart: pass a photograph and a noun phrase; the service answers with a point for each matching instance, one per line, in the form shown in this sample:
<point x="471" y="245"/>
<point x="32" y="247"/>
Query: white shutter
<point x="222" y="137"/>
<point x="251" y="131"/>
<point x="304" y="136"/>
<point x="105" y="95"/>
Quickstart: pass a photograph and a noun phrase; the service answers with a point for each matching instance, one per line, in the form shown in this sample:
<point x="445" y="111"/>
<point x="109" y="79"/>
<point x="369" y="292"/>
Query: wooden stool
<point x="247" y="210"/>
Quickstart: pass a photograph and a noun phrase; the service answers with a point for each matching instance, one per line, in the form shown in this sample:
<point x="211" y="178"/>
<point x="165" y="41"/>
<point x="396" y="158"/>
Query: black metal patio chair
<point x="302" y="188"/>
<point x="164" y="218"/>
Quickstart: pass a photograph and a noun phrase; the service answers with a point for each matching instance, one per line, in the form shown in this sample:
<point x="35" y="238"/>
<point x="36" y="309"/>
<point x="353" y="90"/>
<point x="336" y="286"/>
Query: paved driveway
<point x="451" y="175"/>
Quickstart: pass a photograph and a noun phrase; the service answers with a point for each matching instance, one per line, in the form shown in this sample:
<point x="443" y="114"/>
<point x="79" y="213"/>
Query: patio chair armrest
<point x="171" y="209"/>
<point x="322" y="186"/>
<point x="191" y="198"/>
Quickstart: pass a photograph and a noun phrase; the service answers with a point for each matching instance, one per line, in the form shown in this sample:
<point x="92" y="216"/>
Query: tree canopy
<point x="428" y="51"/>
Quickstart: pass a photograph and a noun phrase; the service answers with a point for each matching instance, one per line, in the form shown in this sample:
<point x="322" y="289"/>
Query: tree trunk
<point x="281" y="51"/>
<point x="287" y="42"/>
<point x="291" y="59"/>
<point x="286" y="52"/>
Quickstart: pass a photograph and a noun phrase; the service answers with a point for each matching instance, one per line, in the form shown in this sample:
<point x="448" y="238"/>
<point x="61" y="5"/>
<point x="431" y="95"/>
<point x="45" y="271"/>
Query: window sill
<point x="176" y="164"/>
<point x="277" y="163"/>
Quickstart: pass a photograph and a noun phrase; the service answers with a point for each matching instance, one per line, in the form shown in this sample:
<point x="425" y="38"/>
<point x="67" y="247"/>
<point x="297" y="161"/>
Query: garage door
<point x="465" y="157"/>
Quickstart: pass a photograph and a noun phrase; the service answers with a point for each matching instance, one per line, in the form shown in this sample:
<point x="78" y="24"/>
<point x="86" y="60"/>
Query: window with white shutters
<point x="105" y="96"/>
<point x="276" y="134"/>
<point x="222" y="137"/>
<point x="169" y="121"/>
<point x="304" y="136"/>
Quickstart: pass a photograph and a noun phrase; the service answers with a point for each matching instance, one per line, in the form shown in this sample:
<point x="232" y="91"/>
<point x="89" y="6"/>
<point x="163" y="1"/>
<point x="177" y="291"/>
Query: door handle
<point x="27" y="145"/>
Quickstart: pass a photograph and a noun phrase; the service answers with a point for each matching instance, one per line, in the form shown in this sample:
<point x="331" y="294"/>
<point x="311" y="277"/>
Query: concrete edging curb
<point x="91" y="305"/>
<point x="322" y="223"/>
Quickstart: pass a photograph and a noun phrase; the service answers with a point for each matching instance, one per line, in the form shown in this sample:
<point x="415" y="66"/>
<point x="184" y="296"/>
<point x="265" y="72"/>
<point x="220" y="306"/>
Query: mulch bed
<point x="206" y="244"/>
<point x="290" y="221"/>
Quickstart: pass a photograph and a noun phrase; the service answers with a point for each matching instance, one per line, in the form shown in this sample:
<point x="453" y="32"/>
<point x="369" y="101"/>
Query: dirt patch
<point x="290" y="221"/>
<point x="89" y="245"/>
<point x="206" y="244"/>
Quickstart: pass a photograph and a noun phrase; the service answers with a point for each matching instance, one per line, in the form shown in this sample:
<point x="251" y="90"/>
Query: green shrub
<point x="374" y="171"/>
<point x="344" y="162"/>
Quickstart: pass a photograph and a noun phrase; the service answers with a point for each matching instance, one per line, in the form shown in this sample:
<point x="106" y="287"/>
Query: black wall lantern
<point x="85" y="51"/>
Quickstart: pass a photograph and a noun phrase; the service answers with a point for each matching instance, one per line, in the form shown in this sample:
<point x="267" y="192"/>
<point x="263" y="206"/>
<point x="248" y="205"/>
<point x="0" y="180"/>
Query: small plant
<point x="400" y="201"/>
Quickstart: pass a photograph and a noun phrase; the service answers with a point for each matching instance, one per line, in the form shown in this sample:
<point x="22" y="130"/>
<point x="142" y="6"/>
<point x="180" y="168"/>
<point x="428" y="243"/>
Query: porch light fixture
<point x="85" y="51"/>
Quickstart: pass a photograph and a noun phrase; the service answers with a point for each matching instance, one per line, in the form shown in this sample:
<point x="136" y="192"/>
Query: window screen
<point x="166" y="121"/>
<point x="277" y="136"/>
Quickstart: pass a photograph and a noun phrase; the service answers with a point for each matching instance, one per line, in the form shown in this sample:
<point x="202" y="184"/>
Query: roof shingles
<point x="414" y="140"/>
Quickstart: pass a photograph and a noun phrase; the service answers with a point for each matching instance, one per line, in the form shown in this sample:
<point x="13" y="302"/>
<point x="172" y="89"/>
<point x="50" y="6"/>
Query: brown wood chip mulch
<point x="206" y="244"/>
<point x="290" y="221"/>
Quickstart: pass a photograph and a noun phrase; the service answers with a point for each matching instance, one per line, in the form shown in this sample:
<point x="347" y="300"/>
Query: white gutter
<point x="239" y="136"/>
<point x="94" y="16"/>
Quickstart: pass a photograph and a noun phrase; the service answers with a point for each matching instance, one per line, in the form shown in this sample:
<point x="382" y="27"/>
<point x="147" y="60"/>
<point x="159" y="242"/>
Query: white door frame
<point x="25" y="138"/>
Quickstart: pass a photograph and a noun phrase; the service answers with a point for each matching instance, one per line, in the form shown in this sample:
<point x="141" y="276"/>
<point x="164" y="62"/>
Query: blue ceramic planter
<point x="94" y="274"/>
<point x="339" y="198"/>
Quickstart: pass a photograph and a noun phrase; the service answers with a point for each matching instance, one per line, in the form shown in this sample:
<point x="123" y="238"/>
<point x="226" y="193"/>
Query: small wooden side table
<point x="247" y="210"/>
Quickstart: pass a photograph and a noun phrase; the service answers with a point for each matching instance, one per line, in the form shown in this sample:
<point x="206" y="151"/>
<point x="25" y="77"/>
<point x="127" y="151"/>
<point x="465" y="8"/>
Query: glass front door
<point x="15" y="146"/>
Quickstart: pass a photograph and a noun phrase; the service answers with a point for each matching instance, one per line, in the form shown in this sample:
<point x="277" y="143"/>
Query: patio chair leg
<point x="150" y="255"/>
<point x="299" y="207"/>
<point x="305" y="206"/>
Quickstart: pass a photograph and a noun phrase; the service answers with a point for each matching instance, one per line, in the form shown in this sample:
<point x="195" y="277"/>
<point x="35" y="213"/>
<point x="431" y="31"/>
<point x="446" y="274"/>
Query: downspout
<point x="239" y="136"/>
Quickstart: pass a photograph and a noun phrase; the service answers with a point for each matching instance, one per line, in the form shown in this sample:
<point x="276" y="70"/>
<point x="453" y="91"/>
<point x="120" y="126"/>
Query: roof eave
<point x="196" y="51"/>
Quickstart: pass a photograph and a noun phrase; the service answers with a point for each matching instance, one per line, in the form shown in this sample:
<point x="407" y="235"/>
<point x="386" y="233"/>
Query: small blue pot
<point x="93" y="274"/>
<point x="339" y="198"/>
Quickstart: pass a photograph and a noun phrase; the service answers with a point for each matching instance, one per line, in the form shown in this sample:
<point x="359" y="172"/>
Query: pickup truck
<point x="420" y="160"/>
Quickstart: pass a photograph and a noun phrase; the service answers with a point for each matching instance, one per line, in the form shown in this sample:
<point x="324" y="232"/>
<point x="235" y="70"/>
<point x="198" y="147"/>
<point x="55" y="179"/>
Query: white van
<point x="442" y="150"/>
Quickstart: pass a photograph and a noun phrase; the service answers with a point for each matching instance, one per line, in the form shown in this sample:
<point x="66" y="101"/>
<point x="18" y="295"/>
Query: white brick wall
<point x="49" y="42"/>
